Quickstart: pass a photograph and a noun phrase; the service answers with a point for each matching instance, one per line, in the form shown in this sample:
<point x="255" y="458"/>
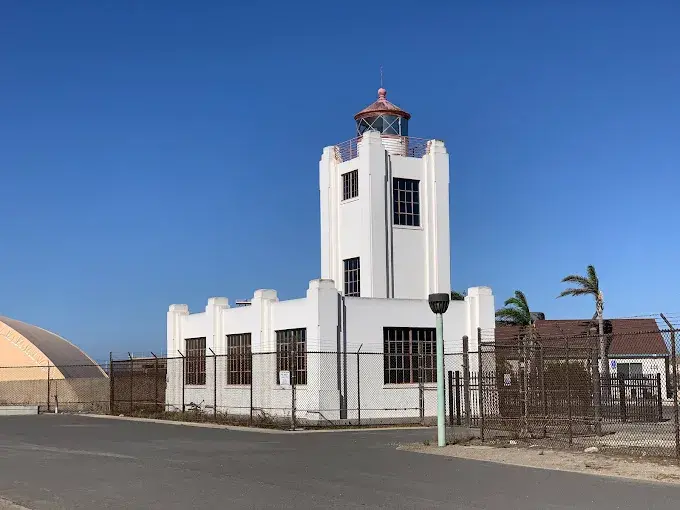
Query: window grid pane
<point x="352" y="277"/>
<point x="406" y="201"/>
<point x="194" y="361"/>
<point x="296" y="340"/>
<point x="350" y="185"/>
<point x="409" y="355"/>
<point x="239" y="361"/>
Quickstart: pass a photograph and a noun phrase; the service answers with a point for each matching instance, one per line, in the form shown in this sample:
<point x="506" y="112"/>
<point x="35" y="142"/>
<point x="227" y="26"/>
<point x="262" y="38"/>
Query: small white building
<point x="385" y="246"/>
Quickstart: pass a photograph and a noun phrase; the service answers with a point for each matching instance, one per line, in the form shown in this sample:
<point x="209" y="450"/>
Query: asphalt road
<point x="49" y="462"/>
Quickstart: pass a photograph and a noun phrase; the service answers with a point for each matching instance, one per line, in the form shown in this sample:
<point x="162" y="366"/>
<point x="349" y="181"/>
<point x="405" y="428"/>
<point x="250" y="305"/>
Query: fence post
<point x="250" y="418"/>
<point x="544" y="397"/>
<point x="358" y="387"/>
<point x="155" y="382"/>
<point x="622" y="397"/>
<point x="597" y="387"/>
<point x="214" y="356"/>
<point x="466" y="380"/>
<point x="525" y="392"/>
<point x="48" y="386"/>
<point x="132" y="379"/>
<point x="451" y="422"/>
<point x="291" y="361"/>
<point x="480" y="383"/>
<point x="659" y="401"/>
<point x="184" y="368"/>
<point x="674" y="362"/>
<point x="112" y="392"/>
<point x="421" y="385"/>
<point x="458" y="421"/>
<point x="569" y="416"/>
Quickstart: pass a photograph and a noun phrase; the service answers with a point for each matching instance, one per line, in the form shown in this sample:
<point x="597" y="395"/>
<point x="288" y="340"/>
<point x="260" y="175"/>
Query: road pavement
<point x="75" y="462"/>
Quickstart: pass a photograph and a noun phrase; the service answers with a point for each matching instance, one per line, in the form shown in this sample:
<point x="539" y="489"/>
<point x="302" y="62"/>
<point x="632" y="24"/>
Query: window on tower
<point x="350" y="185"/>
<point x="352" y="277"/>
<point x="406" y="202"/>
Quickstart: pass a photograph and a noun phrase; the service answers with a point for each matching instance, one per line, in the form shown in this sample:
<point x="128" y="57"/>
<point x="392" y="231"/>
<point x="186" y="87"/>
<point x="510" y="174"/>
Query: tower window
<point x="350" y="185"/>
<point x="406" y="200"/>
<point x="352" y="277"/>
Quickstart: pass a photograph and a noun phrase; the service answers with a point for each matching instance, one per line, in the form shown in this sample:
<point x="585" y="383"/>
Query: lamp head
<point x="439" y="303"/>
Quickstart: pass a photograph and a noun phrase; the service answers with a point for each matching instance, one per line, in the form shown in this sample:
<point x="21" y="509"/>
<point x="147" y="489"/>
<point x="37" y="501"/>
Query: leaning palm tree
<point x="516" y="311"/>
<point x="589" y="285"/>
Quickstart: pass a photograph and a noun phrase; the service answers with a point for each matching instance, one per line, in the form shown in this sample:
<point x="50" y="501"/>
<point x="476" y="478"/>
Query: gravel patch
<point x="543" y="458"/>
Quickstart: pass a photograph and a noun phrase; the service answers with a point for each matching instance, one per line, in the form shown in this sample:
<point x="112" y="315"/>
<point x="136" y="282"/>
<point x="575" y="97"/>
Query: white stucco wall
<point x="396" y="261"/>
<point x="334" y="326"/>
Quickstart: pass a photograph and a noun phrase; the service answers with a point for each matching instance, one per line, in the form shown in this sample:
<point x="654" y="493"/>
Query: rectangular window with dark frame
<point x="350" y="185"/>
<point x="629" y="369"/>
<point x="291" y="354"/>
<point x="409" y="355"/>
<point x="406" y="201"/>
<point x="194" y="361"/>
<point x="239" y="361"/>
<point x="352" y="277"/>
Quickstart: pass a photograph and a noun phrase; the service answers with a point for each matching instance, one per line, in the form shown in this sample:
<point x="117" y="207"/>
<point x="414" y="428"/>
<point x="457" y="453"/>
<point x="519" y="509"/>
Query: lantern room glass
<point x="383" y="124"/>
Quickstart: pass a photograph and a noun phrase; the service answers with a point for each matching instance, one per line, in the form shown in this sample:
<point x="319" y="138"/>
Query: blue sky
<point x="162" y="152"/>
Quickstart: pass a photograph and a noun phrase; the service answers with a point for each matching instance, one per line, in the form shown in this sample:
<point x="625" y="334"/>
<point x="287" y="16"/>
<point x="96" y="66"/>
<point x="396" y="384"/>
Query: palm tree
<point x="457" y="296"/>
<point x="589" y="285"/>
<point x="516" y="311"/>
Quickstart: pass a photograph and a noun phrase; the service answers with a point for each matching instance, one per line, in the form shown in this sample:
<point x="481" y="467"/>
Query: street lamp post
<point x="439" y="303"/>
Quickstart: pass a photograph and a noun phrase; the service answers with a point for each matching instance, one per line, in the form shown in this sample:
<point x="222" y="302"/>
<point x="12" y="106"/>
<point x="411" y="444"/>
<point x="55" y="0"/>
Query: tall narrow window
<point x="239" y="361"/>
<point x="406" y="201"/>
<point x="194" y="361"/>
<point x="352" y="277"/>
<point x="350" y="185"/>
<point x="409" y="355"/>
<point x="291" y="354"/>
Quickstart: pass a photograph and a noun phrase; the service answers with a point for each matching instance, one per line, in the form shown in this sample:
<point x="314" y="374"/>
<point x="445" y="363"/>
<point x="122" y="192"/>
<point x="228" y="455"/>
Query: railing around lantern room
<point x="407" y="146"/>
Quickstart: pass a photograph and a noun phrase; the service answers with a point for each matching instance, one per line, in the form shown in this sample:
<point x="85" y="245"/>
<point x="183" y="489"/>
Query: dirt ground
<point x="658" y="470"/>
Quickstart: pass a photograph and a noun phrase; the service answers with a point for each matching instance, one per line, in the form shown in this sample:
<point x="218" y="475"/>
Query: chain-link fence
<point x="50" y="388"/>
<point x="558" y="391"/>
<point x="281" y="389"/>
<point x="520" y="383"/>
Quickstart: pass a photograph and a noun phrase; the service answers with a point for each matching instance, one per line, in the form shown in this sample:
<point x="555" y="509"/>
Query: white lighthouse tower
<point x="365" y="327"/>
<point x="385" y="209"/>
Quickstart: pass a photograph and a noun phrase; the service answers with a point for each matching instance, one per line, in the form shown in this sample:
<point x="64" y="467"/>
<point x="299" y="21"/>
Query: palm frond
<point x="519" y="300"/>
<point x="575" y="292"/>
<point x="457" y="296"/>
<point x="516" y="310"/>
<point x="521" y="297"/>
<point x="594" y="280"/>
<point x="513" y="316"/>
<point x="518" y="304"/>
<point x="578" y="279"/>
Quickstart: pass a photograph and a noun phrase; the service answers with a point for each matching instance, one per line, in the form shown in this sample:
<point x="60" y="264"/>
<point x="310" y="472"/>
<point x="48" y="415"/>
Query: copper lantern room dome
<point x="383" y="117"/>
